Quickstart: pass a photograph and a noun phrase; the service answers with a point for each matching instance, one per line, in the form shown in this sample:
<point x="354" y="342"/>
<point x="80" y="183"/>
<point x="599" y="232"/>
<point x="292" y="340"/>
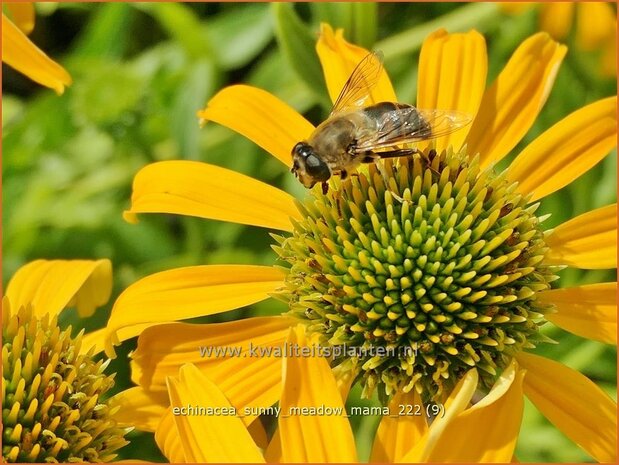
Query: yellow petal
<point x="238" y="356"/>
<point x="556" y="18"/>
<point x="168" y="440"/>
<point x="588" y="241"/>
<point x="207" y="191"/>
<point x="94" y="340"/>
<point x="22" y="15"/>
<point x="511" y="104"/>
<point x="487" y="432"/>
<point x="401" y="430"/>
<point x="589" y="311"/>
<point x="273" y="454"/>
<point x="339" y="58"/>
<point x="21" y="54"/>
<point x="344" y="380"/>
<point x="220" y="437"/>
<point x="574" y="404"/>
<point x="261" y="117"/>
<point x="567" y="150"/>
<point x="452" y="76"/>
<point x="457" y="401"/>
<point x="187" y="293"/>
<point x="595" y="24"/>
<point x="139" y="408"/>
<point x="258" y="433"/>
<point x="312" y="436"/>
<point x="51" y="285"/>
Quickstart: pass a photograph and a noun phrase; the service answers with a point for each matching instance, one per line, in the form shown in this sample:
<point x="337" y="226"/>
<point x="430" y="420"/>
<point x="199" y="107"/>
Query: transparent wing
<point x="363" y="79"/>
<point x="408" y="125"/>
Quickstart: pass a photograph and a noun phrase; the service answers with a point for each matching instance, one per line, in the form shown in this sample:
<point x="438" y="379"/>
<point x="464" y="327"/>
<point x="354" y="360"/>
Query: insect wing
<point x="408" y="125"/>
<point x="359" y="85"/>
<point x="445" y="122"/>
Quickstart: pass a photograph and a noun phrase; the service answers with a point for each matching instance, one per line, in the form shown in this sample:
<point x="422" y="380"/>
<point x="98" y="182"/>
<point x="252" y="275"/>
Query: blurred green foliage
<point x="141" y="71"/>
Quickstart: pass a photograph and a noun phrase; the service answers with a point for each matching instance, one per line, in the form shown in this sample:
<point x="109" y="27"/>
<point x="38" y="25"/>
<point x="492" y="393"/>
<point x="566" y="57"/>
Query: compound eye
<point x="317" y="168"/>
<point x="300" y="149"/>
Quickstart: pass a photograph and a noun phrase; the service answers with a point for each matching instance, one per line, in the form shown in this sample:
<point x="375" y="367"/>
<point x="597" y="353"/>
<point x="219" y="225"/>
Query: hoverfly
<point x="354" y="133"/>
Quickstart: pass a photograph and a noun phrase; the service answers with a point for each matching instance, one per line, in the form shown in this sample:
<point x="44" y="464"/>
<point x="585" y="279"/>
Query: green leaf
<point x="480" y="16"/>
<point x="337" y="14"/>
<point x="107" y="34"/>
<point x="240" y="34"/>
<point x="364" y="15"/>
<point x="273" y="73"/>
<point x="106" y="94"/>
<point x="358" y="19"/>
<point x="298" y="46"/>
<point x="199" y="83"/>
<point x="182" y="25"/>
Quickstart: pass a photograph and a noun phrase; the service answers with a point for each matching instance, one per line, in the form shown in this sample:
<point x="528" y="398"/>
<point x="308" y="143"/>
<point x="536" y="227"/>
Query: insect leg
<point x="396" y="153"/>
<point x="370" y="158"/>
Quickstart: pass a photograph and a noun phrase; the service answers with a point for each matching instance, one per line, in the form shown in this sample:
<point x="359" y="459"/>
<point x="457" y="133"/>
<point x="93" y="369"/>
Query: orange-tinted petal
<point x="574" y="404"/>
<point x="339" y="58"/>
<point x="515" y="8"/>
<point x="556" y="18"/>
<point x="567" y="150"/>
<point x="452" y="76"/>
<point x="238" y="356"/>
<point x="51" y="285"/>
<point x="608" y="65"/>
<point x="401" y="430"/>
<point x="259" y="116"/>
<point x="456" y="403"/>
<point x="213" y="438"/>
<point x="588" y="241"/>
<point x="312" y="436"/>
<point x="511" y="104"/>
<point x="22" y="15"/>
<point x="595" y="25"/>
<point x="207" y="191"/>
<point x="487" y="432"/>
<point x="21" y="54"/>
<point x="139" y="408"/>
<point x="168" y="440"/>
<point x="589" y="311"/>
<point x="187" y="293"/>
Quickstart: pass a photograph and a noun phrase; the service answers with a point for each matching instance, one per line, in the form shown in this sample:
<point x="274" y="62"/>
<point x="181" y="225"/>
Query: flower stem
<point x="475" y="15"/>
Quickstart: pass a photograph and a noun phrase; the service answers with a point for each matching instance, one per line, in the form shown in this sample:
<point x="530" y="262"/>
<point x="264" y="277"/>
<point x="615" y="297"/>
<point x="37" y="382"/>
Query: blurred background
<point x="140" y="73"/>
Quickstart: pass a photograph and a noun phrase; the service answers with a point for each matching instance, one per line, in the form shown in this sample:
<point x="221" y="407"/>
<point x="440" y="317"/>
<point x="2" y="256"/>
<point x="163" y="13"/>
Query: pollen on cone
<point x="52" y="395"/>
<point x="426" y="266"/>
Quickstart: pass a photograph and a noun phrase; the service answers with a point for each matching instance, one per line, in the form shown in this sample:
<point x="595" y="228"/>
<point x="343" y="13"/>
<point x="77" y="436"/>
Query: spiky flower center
<point x="52" y="405"/>
<point x="421" y="268"/>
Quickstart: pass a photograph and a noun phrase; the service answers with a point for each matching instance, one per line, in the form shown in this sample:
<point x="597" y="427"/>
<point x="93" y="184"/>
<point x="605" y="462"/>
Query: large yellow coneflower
<point x="437" y="253"/>
<point x="53" y="409"/>
<point x="21" y="54"/>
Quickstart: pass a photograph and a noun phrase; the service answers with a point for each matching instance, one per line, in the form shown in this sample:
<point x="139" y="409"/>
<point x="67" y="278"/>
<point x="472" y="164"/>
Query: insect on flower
<point x="354" y="133"/>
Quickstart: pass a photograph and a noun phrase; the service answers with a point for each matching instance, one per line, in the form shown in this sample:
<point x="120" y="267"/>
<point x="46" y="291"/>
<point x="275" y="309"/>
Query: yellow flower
<point x="21" y="54"/>
<point x="52" y="389"/>
<point x="346" y="280"/>
<point x="596" y="26"/>
<point x="313" y="426"/>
